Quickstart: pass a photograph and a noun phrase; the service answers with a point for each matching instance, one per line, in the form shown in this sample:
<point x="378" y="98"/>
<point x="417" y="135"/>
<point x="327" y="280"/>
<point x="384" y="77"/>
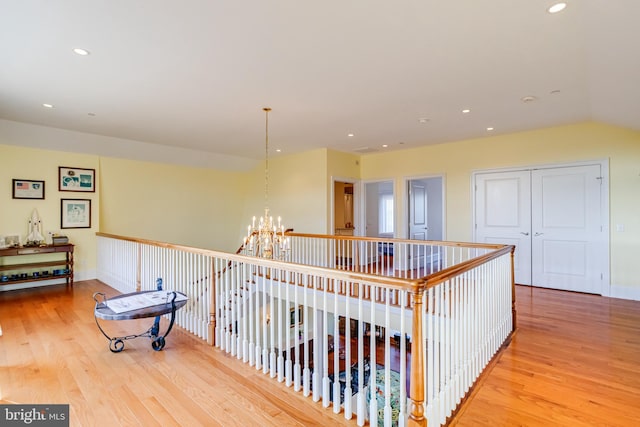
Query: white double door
<point x="554" y="218"/>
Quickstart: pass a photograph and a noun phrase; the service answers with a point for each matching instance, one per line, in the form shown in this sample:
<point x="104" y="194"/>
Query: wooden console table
<point x="32" y="271"/>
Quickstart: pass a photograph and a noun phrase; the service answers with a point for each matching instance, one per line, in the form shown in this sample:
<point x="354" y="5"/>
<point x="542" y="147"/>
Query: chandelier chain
<point x="266" y="157"/>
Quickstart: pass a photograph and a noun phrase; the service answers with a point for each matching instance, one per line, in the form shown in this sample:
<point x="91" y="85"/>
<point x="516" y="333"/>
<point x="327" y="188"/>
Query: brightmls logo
<point x="34" y="415"/>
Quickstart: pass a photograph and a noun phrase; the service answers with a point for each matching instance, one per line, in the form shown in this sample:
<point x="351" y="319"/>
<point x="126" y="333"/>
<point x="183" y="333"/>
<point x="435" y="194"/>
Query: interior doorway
<point x="379" y="209"/>
<point x="344" y="222"/>
<point x="425" y="210"/>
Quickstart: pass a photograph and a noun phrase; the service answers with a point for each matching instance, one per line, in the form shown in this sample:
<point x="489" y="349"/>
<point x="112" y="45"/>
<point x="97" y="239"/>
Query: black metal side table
<point x="143" y="304"/>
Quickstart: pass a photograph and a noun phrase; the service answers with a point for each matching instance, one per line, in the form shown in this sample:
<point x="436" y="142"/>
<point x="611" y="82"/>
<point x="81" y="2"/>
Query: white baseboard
<point x="624" y="292"/>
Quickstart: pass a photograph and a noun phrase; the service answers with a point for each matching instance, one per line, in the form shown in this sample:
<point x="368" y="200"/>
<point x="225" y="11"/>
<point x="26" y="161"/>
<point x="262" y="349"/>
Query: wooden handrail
<point x="438" y="277"/>
<point x="396" y="240"/>
<point x="391" y="282"/>
<point x="395" y="283"/>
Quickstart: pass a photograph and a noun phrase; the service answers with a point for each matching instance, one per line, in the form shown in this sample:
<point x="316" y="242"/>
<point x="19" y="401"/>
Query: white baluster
<point x="402" y="411"/>
<point x="348" y="410"/>
<point x="272" y="307"/>
<point x="325" y="347"/>
<point x="280" y="342"/>
<point x="299" y="323"/>
<point x="306" y="372"/>
<point x="360" y="403"/>
<point x="373" y="403"/>
<point x="387" y="360"/>
<point x="317" y="336"/>
<point x="336" y="349"/>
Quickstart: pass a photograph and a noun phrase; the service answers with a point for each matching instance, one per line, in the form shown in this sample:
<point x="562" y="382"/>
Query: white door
<point x="417" y="223"/>
<point x="417" y="210"/>
<point x="503" y="215"/>
<point x="554" y="218"/>
<point x="567" y="228"/>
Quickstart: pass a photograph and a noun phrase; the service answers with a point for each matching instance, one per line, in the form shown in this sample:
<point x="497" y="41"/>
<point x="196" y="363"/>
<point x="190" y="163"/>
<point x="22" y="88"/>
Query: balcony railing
<point x="395" y="331"/>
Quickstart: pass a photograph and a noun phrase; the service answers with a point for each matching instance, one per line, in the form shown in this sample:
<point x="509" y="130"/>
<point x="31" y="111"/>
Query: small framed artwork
<point x="292" y="316"/>
<point x="75" y="213"/>
<point x="12" y="241"/>
<point x="76" y="179"/>
<point x="28" y="189"/>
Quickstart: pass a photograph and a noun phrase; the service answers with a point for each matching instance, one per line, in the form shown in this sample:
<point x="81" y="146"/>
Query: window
<point x="385" y="212"/>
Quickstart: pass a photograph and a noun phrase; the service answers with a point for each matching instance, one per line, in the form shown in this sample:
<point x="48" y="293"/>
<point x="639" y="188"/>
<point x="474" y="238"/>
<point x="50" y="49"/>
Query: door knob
<point x="525" y="233"/>
<point x="538" y="234"/>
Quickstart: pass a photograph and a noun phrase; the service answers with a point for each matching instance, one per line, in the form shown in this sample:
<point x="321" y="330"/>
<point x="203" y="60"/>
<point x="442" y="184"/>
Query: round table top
<point x="103" y="311"/>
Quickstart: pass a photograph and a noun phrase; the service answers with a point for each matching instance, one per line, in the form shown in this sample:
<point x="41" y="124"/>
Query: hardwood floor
<point x="575" y="360"/>
<point x="52" y="352"/>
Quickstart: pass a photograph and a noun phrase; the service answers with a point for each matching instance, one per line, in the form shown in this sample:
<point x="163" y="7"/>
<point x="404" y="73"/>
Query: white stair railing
<point x="341" y="335"/>
<point x="131" y="266"/>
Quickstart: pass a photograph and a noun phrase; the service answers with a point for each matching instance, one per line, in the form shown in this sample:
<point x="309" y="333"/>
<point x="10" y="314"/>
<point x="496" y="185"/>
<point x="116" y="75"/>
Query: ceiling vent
<point x="363" y="150"/>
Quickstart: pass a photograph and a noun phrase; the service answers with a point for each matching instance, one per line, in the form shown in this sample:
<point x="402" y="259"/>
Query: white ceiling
<point x="197" y="73"/>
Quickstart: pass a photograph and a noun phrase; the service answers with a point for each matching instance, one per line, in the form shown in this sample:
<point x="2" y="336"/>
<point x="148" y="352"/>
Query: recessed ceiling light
<point x="47" y="105"/>
<point x="489" y="129"/>
<point x="528" y="98"/>
<point x="557" y="7"/>
<point x="385" y="145"/>
<point x="423" y="120"/>
<point x="278" y="150"/>
<point x="350" y="135"/>
<point x="555" y="92"/>
<point x="80" y="51"/>
<point x="466" y="110"/>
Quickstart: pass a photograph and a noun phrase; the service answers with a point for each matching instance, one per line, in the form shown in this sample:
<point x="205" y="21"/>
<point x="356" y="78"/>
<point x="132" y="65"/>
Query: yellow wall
<point x="587" y="141"/>
<point x="192" y="206"/>
<point x="300" y="188"/>
<point x="297" y="191"/>
<point x="211" y="209"/>
<point x="343" y="165"/>
<point x="42" y="165"/>
<point x="177" y="204"/>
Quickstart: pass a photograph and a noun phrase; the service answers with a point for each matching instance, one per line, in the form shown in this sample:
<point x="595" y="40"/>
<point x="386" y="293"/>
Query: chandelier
<point x="267" y="239"/>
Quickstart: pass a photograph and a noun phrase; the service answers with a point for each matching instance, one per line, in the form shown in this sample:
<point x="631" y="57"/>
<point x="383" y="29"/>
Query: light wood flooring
<point x="575" y="360"/>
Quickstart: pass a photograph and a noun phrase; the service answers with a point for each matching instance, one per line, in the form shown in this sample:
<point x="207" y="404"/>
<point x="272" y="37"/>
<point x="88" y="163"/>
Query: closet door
<point x="503" y="215"/>
<point x="567" y="232"/>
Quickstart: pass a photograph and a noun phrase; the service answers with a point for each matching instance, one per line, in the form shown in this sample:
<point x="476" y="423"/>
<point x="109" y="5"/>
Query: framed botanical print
<point x="75" y="213"/>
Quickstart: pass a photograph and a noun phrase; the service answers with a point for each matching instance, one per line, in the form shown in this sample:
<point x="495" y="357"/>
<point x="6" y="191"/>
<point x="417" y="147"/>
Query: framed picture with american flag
<point x="28" y="189"/>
